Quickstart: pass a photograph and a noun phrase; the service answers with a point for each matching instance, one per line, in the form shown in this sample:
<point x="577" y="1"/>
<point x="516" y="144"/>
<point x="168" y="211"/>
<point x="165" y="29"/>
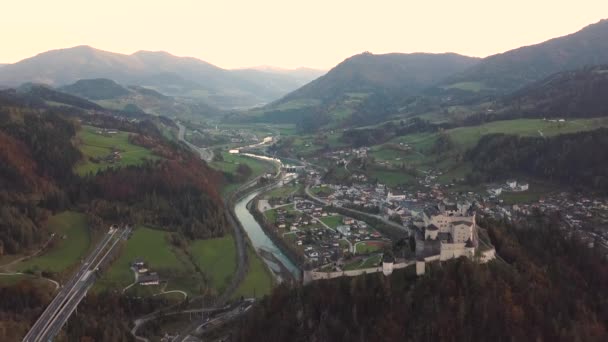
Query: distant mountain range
<point x="168" y="74"/>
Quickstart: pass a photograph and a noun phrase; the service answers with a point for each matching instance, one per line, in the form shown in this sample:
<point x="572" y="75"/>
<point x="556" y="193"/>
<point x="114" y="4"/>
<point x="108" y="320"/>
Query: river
<point x="261" y="241"/>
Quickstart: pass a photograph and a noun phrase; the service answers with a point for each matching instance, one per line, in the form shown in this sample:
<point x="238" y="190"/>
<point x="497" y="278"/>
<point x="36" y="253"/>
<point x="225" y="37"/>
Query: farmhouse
<point x="148" y="279"/>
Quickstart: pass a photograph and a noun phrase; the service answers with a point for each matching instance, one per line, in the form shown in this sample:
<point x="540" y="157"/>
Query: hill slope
<point x="513" y="69"/>
<point x="362" y="89"/>
<point x="183" y="76"/>
<point x="111" y="95"/>
<point x="404" y="73"/>
<point x="96" y="89"/>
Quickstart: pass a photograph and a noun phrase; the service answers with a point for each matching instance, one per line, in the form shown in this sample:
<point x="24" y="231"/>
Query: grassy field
<point x="392" y="178"/>
<point x="152" y="246"/>
<point x="368" y="247"/>
<point x="230" y="164"/>
<point x="332" y="221"/>
<point x="217" y="258"/>
<point x="281" y="192"/>
<point x="94" y="145"/>
<point x="64" y="252"/>
<point x="467" y="137"/>
<point x="258" y="280"/>
<point x="370" y="262"/>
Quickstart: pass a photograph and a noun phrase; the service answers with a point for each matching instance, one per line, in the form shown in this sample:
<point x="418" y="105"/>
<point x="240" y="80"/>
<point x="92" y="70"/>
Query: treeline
<point x="578" y="160"/>
<point x="550" y="289"/>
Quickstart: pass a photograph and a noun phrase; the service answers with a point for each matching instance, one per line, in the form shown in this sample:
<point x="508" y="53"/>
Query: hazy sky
<point x="286" y="33"/>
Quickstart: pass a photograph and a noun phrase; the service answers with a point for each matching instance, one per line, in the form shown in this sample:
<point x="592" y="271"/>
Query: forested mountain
<point x="183" y="76"/>
<point x="369" y="73"/>
<point x="363" y="89"/>
<point x="565" y="95"/>
<point x="577" y="160"/>
<point x="112" y="95"/>
<point x="569" y="94"/>
<point x="96" y="89"/>
<point x="549" y="287"/>
<point x="516" y="68"/>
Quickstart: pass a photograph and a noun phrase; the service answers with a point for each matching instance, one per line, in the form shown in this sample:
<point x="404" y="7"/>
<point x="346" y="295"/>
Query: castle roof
<point x="432" y="227"/>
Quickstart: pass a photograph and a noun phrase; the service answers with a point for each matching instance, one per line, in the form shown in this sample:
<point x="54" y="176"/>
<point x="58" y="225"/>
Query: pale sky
<point x="288" y="33"/>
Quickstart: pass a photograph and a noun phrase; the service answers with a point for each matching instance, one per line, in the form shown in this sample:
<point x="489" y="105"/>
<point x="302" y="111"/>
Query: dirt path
<point x="28" y="256"/>
<point x="56" y="284"/>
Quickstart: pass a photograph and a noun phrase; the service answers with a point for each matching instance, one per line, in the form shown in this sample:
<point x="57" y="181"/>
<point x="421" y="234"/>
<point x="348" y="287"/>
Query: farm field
<point x="154" y="248"/>
<point x="467" y="137"/>
<point x="217" y="259"/>
<point x="94" y="145"/>
<point x="231" y="162"/>
<point x="258" y="280"/>
<point x="71" y="242"/>
<point x="392" y="177"/>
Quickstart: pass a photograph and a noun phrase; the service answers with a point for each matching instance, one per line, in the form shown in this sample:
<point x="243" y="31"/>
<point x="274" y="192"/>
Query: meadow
<point x="95" y="145"/>
<point x="258" y="280"/>
<point x="217" y="259"/>
<point x="332" y="221"/>
<point x="70" y="244"/>
<point x="154" y="248"/>
<point x="467" y="137"/>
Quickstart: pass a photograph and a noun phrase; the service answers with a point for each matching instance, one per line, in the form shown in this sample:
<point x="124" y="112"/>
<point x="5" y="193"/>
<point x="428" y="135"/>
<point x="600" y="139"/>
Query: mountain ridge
<point x="160" y="70"/>
<point x="515" y="68"/>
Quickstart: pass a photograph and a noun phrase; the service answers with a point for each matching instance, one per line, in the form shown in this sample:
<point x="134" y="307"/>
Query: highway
<point x="205" y="153"/>
<point x="61" y="307"/>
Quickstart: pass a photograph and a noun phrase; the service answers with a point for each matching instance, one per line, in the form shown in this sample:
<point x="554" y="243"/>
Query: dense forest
<point x="546" y="287"/>
<point x="38" y="153"/>
<point x="577" y="160"/>
<point x="36" y="157"/>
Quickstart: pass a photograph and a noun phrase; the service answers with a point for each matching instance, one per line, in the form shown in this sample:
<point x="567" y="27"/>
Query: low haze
<point x="317" y="34"/>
